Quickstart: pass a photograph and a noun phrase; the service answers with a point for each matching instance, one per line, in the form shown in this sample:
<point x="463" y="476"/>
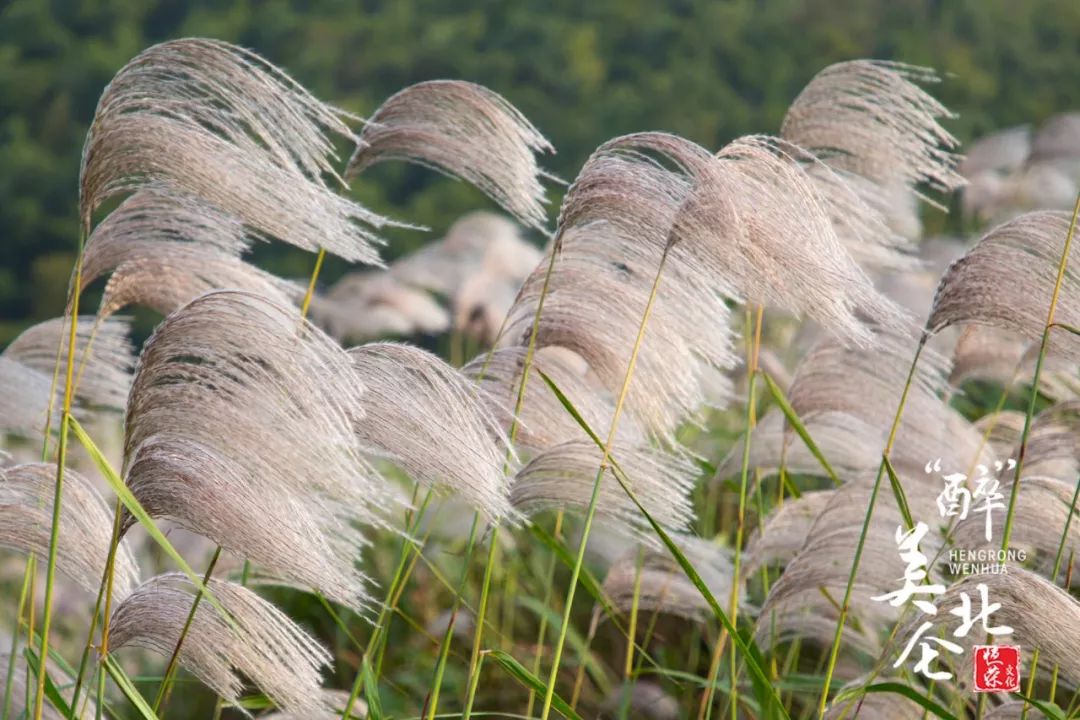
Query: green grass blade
<point x="51" y="691"/>
<point x="593" y="666"/>
<point x="898" y="492"/>
<point x="128" y="689"/>
<point x="520" y="673"/>
<point x="750" y="654"/>
<point x="908" y="692"/>
<point x="797" y="424"/>
<point x="371" y="692"/>
<point x="1049" y="710"/>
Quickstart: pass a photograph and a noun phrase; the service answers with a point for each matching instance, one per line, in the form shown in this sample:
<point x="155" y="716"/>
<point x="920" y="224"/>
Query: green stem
<point x="591" y="511"/>
<point x="1014" y="494"/>
<point x="530" y="353"/>
<point x="475" y="658"/>
<point x="448" y="636"/>
<point x="834" y="653"/>
<point x="10" y="677"/>
<point x="549" y="586"/>
<point x="61" y="459"/>
<point x="170" y="670"/>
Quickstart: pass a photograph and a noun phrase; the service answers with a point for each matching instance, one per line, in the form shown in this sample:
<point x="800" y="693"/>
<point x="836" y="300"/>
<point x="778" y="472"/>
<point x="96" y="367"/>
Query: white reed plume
<point x="241" y="426"/>
<point x="208" y="119"/>
<point x="467" y="131"/>
<point x="433" y="421"/>
<point x="256" y="641"/>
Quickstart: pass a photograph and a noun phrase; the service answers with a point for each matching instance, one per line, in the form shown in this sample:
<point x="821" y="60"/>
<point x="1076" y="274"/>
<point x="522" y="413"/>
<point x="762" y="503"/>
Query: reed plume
<point x="1051" y="630"/>
<point x="430" y="419"/>
<point x="369" y="304"/>
<point x="26" y="498"/>
<point x="206" y="119"/>
<point x="163" y="250"/>
<point x="255" y="640"/>
<point x="1041" y="516"/>
<point x="1028" y="251"/>
<point x="846" y="398"/>
<point x="660" y="585"/>
<point x="241" y="427"/>
<point x="543" y="421"/>
<point x="27" y="365"/>
<point x="871" y="118"/>
<point x="804" y="600"/>
<point x="562" y="477"/>
<point x="466" y="131"/>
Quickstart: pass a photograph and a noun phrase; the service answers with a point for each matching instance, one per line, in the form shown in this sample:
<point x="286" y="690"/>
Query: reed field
<point x="693" y="433"/>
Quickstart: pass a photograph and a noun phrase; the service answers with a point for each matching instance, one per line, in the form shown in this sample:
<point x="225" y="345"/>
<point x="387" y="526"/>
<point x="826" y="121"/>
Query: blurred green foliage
<point x="582" y="71"/>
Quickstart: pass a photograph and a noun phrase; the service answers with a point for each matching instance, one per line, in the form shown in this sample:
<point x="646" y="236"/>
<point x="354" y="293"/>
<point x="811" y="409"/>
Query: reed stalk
<point x="834" y="652"/>
<point x="591" y="511"/>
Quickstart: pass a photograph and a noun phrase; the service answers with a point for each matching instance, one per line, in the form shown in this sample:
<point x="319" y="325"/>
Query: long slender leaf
<point x="520" y="673"/>
<point x="898" y="492"/>
<point x="136" y="509"/>
<point x="128" y="688"/>
<point x="51" y="691"/>
<point x="797" y="424"/>
<point x="901" y="689"/>
<point x="371" y="691"/>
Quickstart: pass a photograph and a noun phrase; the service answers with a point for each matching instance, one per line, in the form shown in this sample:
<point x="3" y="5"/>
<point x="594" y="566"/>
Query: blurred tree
<point x="581" y="71"/>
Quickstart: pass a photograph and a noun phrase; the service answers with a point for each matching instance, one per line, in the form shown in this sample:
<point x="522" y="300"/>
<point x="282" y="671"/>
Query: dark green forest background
<point x="581" y="70"/>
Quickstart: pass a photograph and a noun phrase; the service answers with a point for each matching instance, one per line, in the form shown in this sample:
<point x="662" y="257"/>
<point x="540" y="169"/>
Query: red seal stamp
<point x="997" y="668"/>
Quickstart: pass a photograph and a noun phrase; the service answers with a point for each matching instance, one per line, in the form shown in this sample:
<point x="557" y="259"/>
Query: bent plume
<point x="207" y="119"/>
<point x="466" y="131"/>
<point x="241" y="426"/>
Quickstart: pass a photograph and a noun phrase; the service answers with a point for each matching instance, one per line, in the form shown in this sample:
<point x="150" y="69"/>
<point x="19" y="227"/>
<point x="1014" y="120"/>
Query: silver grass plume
<point x="1003" y="356"/>
<point x="785" y="530"/>
<point x="870" y="118"/>
<point x="1052" y="630"/>
<point x="848" y="398"/>
<point x="208" y="119"/>
<point x="104" y="372"/>
<point x="851" y="445"/>
<point x="543" y="421"/>
<point x="433" y="421"/>
<point x="1002" y="430"/>
<point x="662" y="586"/>
<point x="26" y="507"/>
<point x="256" y="640"/>
<point x="163" y="250"/>
<point x="647" y="701"/>
<point x="1042" y="510"/>
<point x="1026" y="250"/>
<point x="443" y="266"/>
<point x="464" y="130"/>
<point x="1011" y="710"/>
<point x="596" y="297"/>
<point x="804" y="600"/>
<point x="746" y="207"/>
<point x="874" y="706"/>
<point x="562" y="477"/>
<point x="241" y="427"/>
<point x="27" y="367"/>
<point x="1053" y="446"/>
<point x="732" y="216"/>
<point x="368" y="304"/>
